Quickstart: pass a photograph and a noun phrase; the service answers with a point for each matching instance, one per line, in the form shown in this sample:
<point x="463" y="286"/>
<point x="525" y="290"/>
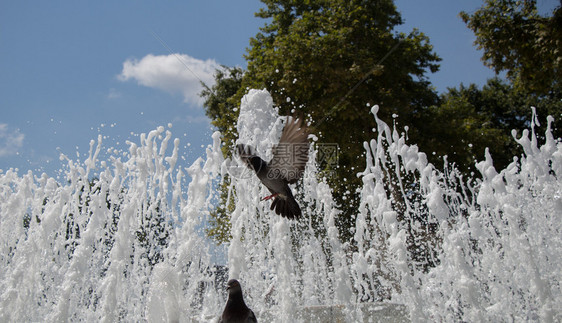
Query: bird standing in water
<point x="235" y="310"/>
<point x="286" y="167"/>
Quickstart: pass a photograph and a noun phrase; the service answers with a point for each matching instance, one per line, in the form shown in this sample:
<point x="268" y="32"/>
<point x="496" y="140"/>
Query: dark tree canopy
<point x="527" y="46"/>
<point x="331" y="59"/>
<point x="516" y="39"/>
<point x="221" y="102"/>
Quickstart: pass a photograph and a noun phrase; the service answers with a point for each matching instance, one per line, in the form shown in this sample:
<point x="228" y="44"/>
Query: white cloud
<point x="10" y="140"/>
<point x="174" y="73"/>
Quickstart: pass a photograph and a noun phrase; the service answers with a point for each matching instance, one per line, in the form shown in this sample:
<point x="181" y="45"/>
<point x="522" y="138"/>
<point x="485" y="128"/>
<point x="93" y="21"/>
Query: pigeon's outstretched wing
<point x="291" y="154"/>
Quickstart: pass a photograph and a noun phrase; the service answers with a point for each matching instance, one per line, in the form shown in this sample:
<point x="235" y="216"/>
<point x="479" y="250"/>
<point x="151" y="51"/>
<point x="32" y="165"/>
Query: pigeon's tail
<point x="286" y="206"/>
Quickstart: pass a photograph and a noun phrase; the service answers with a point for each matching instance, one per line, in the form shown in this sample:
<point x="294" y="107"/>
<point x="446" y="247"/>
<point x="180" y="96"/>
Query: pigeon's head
<point x="233" y="286"/>
<point x="257" y="163"/>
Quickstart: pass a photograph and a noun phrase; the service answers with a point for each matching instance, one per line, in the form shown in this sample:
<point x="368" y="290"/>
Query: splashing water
<point x="123" y="239"/>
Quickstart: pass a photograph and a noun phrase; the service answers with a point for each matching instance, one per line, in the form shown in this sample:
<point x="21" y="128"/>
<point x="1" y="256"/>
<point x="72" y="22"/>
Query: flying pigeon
<point x="235" y="310"/>
<point x="286" y="167"/>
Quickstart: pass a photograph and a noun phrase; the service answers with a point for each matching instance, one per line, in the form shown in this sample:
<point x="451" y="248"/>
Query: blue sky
<point x="70" y="70"/>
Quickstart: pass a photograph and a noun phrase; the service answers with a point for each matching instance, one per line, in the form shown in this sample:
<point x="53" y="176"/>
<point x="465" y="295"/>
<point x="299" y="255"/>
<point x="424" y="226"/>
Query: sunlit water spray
<point x="123" y="239"/>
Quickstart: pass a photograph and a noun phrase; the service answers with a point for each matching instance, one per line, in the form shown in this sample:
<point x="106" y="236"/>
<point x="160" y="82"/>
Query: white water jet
<point x="122" y="239"/>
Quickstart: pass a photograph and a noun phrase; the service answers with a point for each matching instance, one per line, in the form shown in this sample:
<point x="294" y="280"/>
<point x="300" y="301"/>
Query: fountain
<point x="123" y="238"/>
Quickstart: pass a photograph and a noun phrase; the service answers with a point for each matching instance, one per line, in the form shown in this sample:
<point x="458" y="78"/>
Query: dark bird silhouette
<point x="286" y="167"/>
<point x="235" y="310"/>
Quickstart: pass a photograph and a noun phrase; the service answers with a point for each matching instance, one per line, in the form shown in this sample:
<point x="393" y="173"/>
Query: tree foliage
<point x="516" y="39"/>
<point x="221" y="106"/>
<point x="330" y="59"/>
<point x="221" y="103"/>
<point x="470" y="119"/>
<point x="527" y="46"/>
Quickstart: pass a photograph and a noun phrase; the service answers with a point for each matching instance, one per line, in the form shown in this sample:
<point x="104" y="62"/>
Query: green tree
<point x="221" y="103"/>
<point x="469" y="119"/>
<point x="516" y="39"/>
<point x="527" y="46"/>
<point x="330" y="59"/>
